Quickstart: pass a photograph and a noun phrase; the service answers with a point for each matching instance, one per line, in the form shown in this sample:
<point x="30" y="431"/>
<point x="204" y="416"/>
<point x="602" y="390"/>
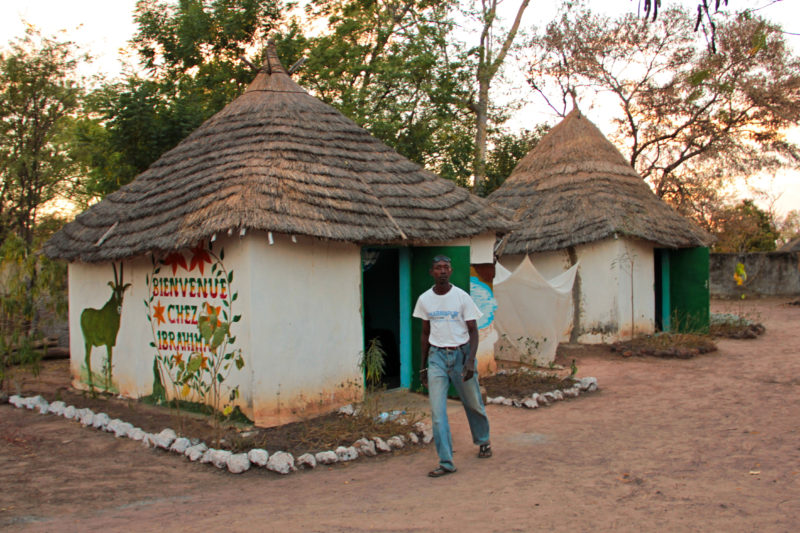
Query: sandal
<point x="439" y="472"/>
<point x="485" y="451"/>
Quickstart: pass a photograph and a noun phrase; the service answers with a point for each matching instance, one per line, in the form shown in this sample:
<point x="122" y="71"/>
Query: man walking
<point x="449" y="343"/>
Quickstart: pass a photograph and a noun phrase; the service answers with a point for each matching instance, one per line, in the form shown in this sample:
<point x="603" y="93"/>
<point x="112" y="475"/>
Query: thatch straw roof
<point x="791" y="246"/>
<point x="575" y="187"/>
<point x="276" y="159"/>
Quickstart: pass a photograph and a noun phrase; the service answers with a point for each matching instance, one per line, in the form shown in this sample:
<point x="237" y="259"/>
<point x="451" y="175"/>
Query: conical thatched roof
<point x="275" y="159"/>
<point x="575" y="187"/>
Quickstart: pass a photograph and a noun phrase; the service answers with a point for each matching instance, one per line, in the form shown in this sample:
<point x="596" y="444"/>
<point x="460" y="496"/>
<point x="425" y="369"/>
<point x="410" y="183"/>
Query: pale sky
<point x="103" y="28"/>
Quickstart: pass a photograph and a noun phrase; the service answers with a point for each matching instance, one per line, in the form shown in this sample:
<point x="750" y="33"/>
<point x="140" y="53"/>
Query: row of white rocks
<point x="536" y="400"/>
<point x="236" y="463"/>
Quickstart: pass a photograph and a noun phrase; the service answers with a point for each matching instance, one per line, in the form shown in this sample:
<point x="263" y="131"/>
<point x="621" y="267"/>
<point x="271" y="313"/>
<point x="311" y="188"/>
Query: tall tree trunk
<point x="486" y="71"/>
<point x="482" y="119"/>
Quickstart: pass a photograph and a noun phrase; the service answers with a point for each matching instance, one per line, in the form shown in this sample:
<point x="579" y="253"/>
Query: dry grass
<point x="326" y="432"/>
<point x="678" y="345"/>
<point x="523" y="382"/>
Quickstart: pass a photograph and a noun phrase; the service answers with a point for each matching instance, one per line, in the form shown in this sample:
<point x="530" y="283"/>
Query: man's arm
<point x="425" y="347"/>
<point x="469" y="363"/>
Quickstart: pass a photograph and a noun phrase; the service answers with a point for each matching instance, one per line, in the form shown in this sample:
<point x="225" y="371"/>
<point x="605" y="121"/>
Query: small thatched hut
<point x="576" y="199"/>
<point x="263" y="215"/>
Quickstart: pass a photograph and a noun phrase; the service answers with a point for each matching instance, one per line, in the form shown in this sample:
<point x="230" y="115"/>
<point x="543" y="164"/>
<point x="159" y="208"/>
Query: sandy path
<point x="706" y="444"/>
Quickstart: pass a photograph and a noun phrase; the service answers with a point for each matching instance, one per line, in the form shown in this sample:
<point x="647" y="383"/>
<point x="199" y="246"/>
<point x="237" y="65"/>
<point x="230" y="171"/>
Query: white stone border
<point x="235" y="463"/>
<point x="535" y="400"/>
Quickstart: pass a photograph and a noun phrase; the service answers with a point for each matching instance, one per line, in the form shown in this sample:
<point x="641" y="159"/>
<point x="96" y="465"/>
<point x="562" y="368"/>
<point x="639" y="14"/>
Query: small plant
<point x="373" y="363"/>
<point x="29" y="284"/>
<point x="740" y="277"/>
<point x="212" y="370"/>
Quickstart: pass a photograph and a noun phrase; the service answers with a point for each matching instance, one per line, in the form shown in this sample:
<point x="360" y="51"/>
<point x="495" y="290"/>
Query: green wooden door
<point x="688" y="290"/>
<point x="421" y="281"/>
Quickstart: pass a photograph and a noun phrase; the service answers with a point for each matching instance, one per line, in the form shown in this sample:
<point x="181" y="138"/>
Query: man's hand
<point x="467" y="372"/>
<point x="423" y="377"/>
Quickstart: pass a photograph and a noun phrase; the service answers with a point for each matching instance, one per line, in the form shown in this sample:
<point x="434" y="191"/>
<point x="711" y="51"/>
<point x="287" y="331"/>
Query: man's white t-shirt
<point x="448" y="314"/>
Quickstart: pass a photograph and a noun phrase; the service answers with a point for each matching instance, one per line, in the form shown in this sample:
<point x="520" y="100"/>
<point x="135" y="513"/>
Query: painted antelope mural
<point x="100" y="327"/>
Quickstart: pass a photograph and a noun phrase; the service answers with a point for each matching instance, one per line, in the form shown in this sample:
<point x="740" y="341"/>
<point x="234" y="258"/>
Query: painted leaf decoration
<point x="195" y="362"/>
<point x="219" y="336"/>
<point x="205" y="327"/>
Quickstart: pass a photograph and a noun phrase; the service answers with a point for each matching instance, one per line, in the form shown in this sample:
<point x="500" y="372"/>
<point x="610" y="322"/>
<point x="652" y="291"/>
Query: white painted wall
<point x="606" y="286"/>
<point x="481" y="249"/>
<point x="300" y="331"/>
<point x="88" y="288"/>
<point x="305" y="326"/>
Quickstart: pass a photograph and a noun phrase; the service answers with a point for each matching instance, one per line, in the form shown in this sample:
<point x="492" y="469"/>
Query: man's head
<point x="441" y="269"/>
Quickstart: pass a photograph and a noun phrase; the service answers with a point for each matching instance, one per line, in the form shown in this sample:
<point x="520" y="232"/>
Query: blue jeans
<point x="444" y="367"/>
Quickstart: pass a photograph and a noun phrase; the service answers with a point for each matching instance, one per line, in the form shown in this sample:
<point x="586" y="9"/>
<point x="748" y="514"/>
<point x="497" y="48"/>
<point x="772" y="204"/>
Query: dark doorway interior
<point x="381" y="279"/>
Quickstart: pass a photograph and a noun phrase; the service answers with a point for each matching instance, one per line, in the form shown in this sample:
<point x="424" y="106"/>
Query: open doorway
<point x="381" y="293"/>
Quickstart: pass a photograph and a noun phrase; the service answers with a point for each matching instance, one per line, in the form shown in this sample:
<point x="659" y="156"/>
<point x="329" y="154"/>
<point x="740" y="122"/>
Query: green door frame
<point x="414" y="279"/>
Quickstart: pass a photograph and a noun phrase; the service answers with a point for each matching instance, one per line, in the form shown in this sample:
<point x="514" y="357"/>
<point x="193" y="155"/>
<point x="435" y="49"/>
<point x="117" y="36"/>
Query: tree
<point x="744" y="228"/>
<point x="507" y="150"/>
<point x="704" y="18"/>
<point x="38" y="93"/>
<point x="488" y="65"/>
<point x="192" y="51"/>
<point x="690" y="120"/>
<point x="396" y="69"/>
<point x="391" y="66"/>
<point x="789" y="227"/>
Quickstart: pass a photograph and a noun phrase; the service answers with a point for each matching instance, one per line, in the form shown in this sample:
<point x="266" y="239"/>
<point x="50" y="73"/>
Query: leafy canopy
<point x="38" y="95"/>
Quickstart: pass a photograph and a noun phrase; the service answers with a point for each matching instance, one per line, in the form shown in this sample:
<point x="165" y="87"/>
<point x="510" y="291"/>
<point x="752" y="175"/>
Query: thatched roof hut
<point x="576" y="200"/>
<point x="575" y="187"/>
<point x="265" y="216"/>
<point x="275" y="159"/>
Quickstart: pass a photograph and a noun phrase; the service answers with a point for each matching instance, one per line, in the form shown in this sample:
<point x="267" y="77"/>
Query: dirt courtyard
<point x="704" y="444"/>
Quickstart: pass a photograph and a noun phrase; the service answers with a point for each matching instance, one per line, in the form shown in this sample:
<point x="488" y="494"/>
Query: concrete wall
<point x="305" y="327"/>
<point x="299" y="330"/>
<point x="605" y="285"/>
<point x="768" y="274"/>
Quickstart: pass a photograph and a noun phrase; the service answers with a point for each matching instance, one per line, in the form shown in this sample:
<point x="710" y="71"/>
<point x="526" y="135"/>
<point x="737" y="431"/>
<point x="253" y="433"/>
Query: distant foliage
<point x="744" y="228"/>
<point x="38" y="94"/>
<point x="32" y="288"/>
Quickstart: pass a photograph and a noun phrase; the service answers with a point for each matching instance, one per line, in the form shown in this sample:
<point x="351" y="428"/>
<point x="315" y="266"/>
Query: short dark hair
<point x="440" y="258"/>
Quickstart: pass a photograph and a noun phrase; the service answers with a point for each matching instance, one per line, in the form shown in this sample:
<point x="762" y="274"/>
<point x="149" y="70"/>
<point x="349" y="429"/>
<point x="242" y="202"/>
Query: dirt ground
<point x="704" y="444"/>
